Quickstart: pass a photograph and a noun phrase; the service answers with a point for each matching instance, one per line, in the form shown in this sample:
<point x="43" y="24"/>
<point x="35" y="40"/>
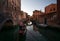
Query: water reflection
<point x="41" y="34"/>
<point x="33" y="34"/>
<point x="35" y="28"/>
<point x="22" y="38"/>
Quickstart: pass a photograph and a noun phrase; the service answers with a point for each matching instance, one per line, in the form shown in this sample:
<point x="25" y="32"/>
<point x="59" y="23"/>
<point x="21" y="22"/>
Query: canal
<point x="40" y="34"/>
<point x="33" y="34"/>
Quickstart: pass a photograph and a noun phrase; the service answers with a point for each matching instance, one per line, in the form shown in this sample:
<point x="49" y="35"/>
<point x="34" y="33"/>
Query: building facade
<point x="10" y="9"/>
<point x="58" y="12"/>
<point x="50" y="8"/>
<point x="48" y="17"/>
<point x="38" y="16"/>
<point x="24" y="16"/>
<point x="51" y="14"/>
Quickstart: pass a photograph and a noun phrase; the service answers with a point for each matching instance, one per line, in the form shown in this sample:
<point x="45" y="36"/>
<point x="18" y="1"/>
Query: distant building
<point x="23" y="16"/>
<point x="28" y="18"/>
<point x="36" y="13"/>
<point x="38" y="16"/>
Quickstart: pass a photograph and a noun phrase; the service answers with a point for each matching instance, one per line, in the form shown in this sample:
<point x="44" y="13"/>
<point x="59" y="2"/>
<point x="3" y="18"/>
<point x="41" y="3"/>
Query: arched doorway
<point x="8" y="24"/>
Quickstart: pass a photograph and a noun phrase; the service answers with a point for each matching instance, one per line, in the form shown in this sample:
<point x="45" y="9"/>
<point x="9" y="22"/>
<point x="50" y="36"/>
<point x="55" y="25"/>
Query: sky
<point x="30" y="5"/>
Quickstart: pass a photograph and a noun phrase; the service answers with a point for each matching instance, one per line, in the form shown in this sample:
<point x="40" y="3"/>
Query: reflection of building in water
<point x="35" y="28"/>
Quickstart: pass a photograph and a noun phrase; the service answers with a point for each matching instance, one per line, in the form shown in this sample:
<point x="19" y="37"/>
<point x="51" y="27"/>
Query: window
<point x="15" y="8"/>
<point x="54" y="9"/>
<point x="50" y="9"/>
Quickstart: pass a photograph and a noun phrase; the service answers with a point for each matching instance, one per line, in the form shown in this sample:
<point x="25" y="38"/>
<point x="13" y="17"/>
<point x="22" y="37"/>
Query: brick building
<point x="10" y="8"/>
<point x="38" y="16"/>
<point x="24" y="16"/>
<point x="48" y="17"/>
<point x="58" y="12"/>
<point x="51" y="14"/>
<point x="51" y="8"/>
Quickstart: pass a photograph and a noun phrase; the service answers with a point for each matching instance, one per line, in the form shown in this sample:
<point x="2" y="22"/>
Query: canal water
<point x="34" y="35"/>
<point x="9" y="35"/>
